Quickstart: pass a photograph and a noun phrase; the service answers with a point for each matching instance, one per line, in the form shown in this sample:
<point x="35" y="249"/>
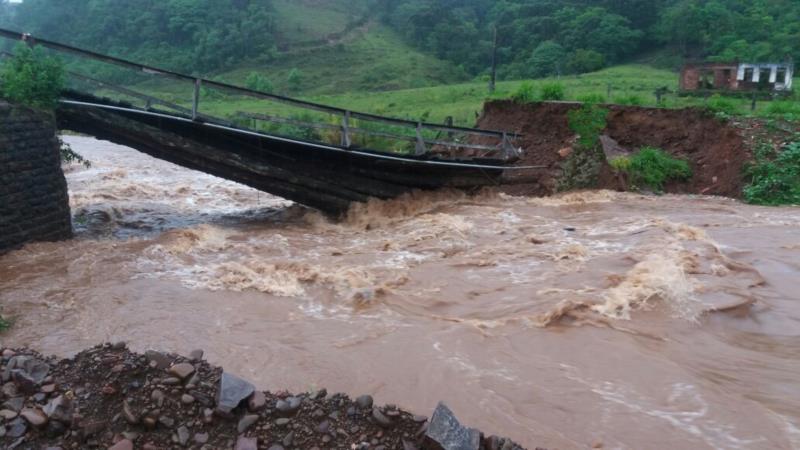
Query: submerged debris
<point x="111" y="398"/>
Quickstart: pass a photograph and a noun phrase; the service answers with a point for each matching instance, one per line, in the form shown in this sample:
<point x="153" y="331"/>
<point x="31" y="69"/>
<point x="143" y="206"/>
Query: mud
<point x="716" y="149"/>
<point x="589" y="318"/>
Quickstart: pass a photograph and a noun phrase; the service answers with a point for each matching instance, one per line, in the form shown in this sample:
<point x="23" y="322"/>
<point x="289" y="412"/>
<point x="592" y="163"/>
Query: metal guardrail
<point x="422" y="145"/>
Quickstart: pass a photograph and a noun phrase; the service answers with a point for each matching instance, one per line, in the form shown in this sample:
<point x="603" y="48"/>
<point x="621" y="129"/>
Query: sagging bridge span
<point x="340" y="157"/>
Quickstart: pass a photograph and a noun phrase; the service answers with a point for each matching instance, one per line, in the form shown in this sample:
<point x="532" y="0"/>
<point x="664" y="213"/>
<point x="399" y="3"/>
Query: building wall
<point x="34" y="205"/>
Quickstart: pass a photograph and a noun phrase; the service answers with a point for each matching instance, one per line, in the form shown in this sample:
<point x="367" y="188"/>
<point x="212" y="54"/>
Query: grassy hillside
<point x="300" y="21"/>
<point x="628" y="84"/>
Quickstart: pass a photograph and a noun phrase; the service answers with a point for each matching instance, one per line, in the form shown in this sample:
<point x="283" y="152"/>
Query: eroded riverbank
<point x="588" y="318"/>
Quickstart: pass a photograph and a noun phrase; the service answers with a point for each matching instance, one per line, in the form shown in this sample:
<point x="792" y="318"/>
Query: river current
<point x="590" y="319"/>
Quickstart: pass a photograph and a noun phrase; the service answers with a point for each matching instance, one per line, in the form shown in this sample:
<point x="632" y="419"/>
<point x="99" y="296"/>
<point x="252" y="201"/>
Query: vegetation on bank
<point x="32" y="78"/>
<point x="582" y="167"/>
<point x="774" y="176"/>
<point x="651" y="168"/>
<point x="4" y="324"/>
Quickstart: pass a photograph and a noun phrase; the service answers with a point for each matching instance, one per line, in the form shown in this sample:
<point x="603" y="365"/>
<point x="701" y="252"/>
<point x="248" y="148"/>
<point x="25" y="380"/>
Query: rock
<point x="34" y="417"/>
<point x="290" y="405"/>
<point x="232" y="390"/>
<point x="171" y="381"/>
<point x="157" y="397"/>
<point x="28" y="372"/>
<point x="131" y="417"/>
<point x="7" y="414"/>
<point x="245" y="443"/>
<point x="201" y="438"/>
<point x="324" y="426"/>
<point x="183" y="435"/>
<point x="167" y="421"/>
<point x="246" y="422"/>
<point x="14" y="404"/>
<point x="10" y="389"/>
<point x="18" y="427"/>
<point x="364" y="402"/>
<point x="276" y="447"/>
<point x="48" y="388"/>
<point x="161" y="360"/>
<point x="257" y="401"/>
<point x="187" y="399"/>
<point x="182" y="370"/>
<point x="380" y="418"/>
<point x="196" y="355"/>
<point x="8" y="353"/>
<point x="420" y="419"/>
<point x="124" y="444"/>
<point x="282" y="422"/>
<point x="288" y="439"/>
<point x="446" y="433"/>
<point x="60" y="409"/>
<point x="565" y="152"/>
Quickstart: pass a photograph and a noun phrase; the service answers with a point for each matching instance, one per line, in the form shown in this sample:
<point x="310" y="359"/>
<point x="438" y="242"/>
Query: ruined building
<point x="739" y="77"/>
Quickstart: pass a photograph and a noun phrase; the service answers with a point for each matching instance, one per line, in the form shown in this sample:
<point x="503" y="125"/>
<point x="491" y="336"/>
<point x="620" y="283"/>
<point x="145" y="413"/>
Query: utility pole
<point x="493" y="79"/>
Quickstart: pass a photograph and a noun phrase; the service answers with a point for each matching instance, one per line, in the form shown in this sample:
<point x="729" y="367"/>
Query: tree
<point x="547" y="59"/>
<point x="32" y="78"/>
<point x="295" y="79"/>
<point x="582" y="61"/>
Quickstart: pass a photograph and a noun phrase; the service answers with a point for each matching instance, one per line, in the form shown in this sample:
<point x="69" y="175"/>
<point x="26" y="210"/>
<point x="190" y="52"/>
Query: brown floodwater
<point x="593" y="318"/>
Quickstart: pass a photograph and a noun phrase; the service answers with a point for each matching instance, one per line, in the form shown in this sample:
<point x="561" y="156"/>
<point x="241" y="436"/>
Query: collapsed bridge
<point x="339" y="157"/>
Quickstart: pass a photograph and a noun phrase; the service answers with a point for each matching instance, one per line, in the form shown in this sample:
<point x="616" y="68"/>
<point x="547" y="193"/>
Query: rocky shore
<point x="110" y="398"/>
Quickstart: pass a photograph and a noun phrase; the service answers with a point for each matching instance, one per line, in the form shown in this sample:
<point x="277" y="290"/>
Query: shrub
<point x="582" y="61"/>
<point x="621" y="164"/>
<point x="526" y="93"/>
<point x="775" y="179"/>
<point x="588" y="122"/>
<point x="722" y="106"/>
<point x="258" y="82"/>
<point x="295" y="79"/>
<point x="4" y="324"/>
<point x="32" y="78"/>
<point x="652" y="167"/>
<point x="553" y="91"/>
<point x="593" y="98"/>
<point x="582" y="167"/>
<point x="69" y="156"/>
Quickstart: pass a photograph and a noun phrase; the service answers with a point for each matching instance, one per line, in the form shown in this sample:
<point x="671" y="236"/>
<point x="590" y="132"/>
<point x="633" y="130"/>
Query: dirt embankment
<point x="716" y="150"/>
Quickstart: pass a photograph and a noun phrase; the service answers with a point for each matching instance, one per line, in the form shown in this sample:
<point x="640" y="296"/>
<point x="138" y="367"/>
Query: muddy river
<point x="589" y="319"/>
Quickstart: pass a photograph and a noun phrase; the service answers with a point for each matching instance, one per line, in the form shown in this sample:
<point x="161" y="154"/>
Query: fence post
<point x="509" y="151"/>
<point x="346" y="142"/>
<point x="196" y="97"/>
<point x="420" y="147"/>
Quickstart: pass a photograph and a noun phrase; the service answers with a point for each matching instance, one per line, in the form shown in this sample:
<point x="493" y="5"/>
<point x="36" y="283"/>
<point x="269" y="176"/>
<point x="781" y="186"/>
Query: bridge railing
<point x="327" y="124"/>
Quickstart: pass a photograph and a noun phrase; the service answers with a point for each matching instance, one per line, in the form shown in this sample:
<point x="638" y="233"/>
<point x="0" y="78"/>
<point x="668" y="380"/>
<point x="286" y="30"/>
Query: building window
<point x="780" y="78"/>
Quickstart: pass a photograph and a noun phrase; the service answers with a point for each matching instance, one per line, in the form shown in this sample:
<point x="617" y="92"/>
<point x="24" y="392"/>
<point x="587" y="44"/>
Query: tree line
<point x="546" y="37"/>
<point x="535" y="37"/>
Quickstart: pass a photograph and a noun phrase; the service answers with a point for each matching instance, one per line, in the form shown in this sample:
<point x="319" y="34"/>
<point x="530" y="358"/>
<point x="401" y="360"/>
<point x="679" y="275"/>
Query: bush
<point x="588" y="122"/>
<point x="258" y="82"/>
<point x="4" y="324"/>
<point x="295" y="79"/>
<point x="32" y="78"/>
<point x="775" y="179"/>
<point x="582" y="61"/>
<point x="582" y="167"/>
<point x="621" y="164"/>
<point x="722" y="106"/>
<point x="69" y="156"/>
<point x="593" y="98"/>
<point x="526" y="93"/>
<point x="553" y="91"/>
<point x="652" y="167"/>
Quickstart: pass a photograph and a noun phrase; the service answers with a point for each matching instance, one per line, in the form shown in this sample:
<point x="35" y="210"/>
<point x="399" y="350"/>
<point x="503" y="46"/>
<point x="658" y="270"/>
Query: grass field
<point x="630" y="84"/>
<point x="304" y="20"/>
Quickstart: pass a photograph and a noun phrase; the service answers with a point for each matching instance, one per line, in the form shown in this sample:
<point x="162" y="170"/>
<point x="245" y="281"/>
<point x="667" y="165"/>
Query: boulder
<point x="446" y="433"/>
<point x="232" y="390"/>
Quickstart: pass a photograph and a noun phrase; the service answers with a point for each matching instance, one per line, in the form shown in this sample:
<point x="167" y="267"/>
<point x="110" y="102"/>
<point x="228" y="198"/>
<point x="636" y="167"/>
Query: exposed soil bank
<point x="716" y="149"/>
<point x="108" y="397"/>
